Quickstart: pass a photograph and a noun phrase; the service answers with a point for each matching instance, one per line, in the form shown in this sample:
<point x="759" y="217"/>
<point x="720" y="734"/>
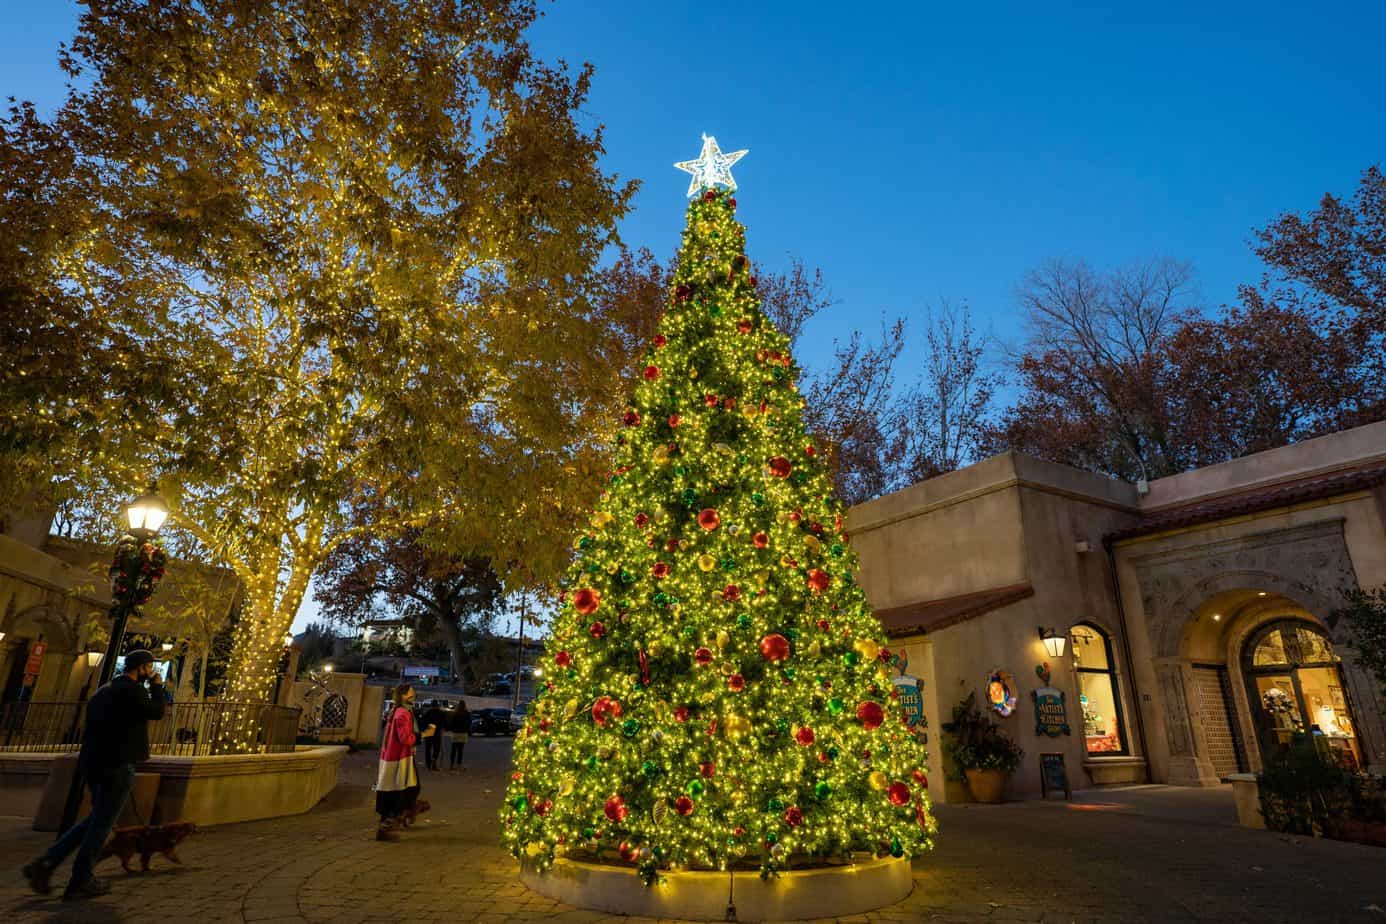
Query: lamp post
<point x="1054" y="641"/>
<point x="137" y="568"/>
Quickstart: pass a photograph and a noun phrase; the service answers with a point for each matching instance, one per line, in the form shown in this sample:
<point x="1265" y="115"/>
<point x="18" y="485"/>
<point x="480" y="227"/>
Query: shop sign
<point x="1051" y="716"/>
<point x="911" y="703"/>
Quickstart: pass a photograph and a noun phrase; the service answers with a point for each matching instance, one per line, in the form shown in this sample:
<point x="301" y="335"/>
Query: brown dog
<point x="412" y="813"/>
<point x="146" y="840"/>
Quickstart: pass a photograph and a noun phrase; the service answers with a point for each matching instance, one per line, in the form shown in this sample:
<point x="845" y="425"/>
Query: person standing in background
<point x="437" y="717"/>
<point x="461" y="726"/>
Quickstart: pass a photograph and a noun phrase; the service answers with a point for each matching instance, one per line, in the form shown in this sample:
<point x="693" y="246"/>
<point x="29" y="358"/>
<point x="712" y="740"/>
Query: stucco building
<point x="1198" y="615"/>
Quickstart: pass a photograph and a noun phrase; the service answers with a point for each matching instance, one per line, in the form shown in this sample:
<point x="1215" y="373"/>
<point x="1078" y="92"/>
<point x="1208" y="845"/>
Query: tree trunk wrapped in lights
<point x="716" y="693"/>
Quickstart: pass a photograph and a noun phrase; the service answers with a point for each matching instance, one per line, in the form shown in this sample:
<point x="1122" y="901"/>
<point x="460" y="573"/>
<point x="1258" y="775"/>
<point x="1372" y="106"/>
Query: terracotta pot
<point x="986" y="785"/>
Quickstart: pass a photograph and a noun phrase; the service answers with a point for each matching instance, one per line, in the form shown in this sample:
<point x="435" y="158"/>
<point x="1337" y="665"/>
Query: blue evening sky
<point x="924" y="150"/>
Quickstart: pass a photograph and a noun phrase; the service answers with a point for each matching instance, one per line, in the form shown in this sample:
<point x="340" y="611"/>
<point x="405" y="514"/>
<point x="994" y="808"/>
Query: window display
<point x="1097" y="691"/>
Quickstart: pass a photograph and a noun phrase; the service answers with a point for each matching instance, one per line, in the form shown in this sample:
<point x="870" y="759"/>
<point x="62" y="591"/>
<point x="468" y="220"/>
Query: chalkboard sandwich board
<point x="1053" y="775"/>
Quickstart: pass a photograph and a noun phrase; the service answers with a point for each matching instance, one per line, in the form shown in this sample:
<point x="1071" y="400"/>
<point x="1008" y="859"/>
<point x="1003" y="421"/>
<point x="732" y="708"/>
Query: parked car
<point x="491" y="721"/>
<point x="517" y="718"/>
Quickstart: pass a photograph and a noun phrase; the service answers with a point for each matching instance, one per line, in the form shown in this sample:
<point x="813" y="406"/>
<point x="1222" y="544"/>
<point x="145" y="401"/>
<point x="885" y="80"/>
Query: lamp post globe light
<point x="136" y="570"/>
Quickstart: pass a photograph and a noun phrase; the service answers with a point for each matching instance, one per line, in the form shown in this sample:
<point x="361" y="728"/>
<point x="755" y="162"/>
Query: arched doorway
<point x="1295" y="686"/>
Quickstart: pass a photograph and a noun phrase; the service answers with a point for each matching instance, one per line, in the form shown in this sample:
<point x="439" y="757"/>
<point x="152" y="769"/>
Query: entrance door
<point x="1215" y="717"/>
<point x="1296" y="687"/>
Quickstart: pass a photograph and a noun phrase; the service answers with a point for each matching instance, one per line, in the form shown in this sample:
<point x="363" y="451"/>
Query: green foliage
<point x="1365" y="614"/>
<point x="974" y="742"/>
<point x="719" y="694"/>
<point x="1298" y="788"/>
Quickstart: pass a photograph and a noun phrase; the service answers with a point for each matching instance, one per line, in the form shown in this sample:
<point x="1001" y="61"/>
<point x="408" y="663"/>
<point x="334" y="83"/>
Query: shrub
<point x="975" y="742"/>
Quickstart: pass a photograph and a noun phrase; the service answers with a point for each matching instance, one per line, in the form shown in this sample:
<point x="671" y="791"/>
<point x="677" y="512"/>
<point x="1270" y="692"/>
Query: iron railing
<point x="186" y="729"/>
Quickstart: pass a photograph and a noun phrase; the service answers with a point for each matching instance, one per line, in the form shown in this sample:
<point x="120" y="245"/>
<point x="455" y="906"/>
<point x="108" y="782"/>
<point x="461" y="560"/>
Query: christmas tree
<point x="715" y="694"/>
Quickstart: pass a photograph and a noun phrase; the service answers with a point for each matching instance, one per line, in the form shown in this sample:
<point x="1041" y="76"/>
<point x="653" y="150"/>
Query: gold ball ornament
<point x="877" y="780"/>
<point x="570" y="708"/>
<point x="533" y="849"/>
<point x="737" y="726"/>
<point x="812" y="544"/>
<point x="565" y="786"/>
<point x="867" y="648"/>
<point x="723" y="638"/>
<point x="601" y="518"/>
<point x="706" y="563"/>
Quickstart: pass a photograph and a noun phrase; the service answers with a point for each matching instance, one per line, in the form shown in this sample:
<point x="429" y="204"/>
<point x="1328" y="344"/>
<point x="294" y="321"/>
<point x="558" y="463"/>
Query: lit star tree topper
<point x="715" y="690"/>
<point x="711" y="169"/>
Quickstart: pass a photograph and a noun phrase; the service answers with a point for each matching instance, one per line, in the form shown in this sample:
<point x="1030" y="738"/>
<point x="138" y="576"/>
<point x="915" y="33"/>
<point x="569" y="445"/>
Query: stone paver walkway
<point x="1141" y="854"/>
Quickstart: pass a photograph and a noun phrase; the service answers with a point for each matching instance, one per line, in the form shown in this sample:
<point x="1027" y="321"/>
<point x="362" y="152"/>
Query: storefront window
<point x="1097" y="691"/>
<point x="1296" y="686"/>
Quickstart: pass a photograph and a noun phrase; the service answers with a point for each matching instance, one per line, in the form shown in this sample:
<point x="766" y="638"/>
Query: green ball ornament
<point x="589" y="832"/>
<point x="520" y="803"/>
<point x="689" y="631"/>
<point x="771" y="837"/>
<point x="791" y="634"/>
<point x="627" y="577"/>
<point x="832" y="753"/>
<point x="743" y="621"/>
<point x="714" y="309"/>
<point x="586" y="542"/>
<point x="896" y="848"/>
<point x="742" y="458"/>
<point x="782" y="726"/>
<point x="727" y="564"/>
<point x="689" y="496"/>
<point x="592" y="762"/>
<point x="850" y="659"/>
<point x="757" y="498"/>
<point x="630" y="727"/>
<point x="650" y="769"/>
<point x="694" y="788"/>
<point x="822" y="789"/>
<point x="835" y="706"/>
<point x="836" y="549"/>
<point x="789" y="673"/>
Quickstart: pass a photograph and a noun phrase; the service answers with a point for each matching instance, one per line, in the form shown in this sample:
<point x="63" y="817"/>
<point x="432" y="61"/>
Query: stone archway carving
<point x="1307" y="564"/>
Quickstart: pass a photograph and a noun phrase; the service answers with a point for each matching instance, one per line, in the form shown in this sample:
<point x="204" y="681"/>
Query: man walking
<point x="115" y="739"/>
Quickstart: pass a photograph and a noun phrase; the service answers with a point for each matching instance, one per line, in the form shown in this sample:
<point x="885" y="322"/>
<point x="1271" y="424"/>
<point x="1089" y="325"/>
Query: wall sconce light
<point x="2" y="636"/>
<point x="1055" y="642"/>
<point x="328" y="667"/>
<point x="167" y="646"/>
<point x="94" y="659"/>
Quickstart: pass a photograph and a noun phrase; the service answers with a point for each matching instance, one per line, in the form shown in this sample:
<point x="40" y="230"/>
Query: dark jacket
<point x="435" y="715"/>
<point x="117" y="732"/>
<point x="461" y="721"/>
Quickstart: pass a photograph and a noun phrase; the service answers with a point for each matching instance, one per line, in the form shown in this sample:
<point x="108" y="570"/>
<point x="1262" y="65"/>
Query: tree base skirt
<point x="822" y="892"/>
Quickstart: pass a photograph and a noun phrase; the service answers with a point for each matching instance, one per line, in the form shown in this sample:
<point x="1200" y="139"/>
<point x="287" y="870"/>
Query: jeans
<point x="433" y="747"/>
<point x="88" y="836"/>
<point x="458" y="743"/>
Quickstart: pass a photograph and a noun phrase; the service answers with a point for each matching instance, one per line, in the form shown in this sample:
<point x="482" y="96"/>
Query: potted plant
<point x="980" y="752"/>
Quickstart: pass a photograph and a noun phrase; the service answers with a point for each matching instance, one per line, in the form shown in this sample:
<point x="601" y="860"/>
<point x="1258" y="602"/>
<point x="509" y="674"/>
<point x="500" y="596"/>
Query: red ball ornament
<point x="818" y="580"/>
<point x="731" y="200"/>
<point x="563" y="659"/>
<point x="899" y="794"/>
<point x="760" y="540"/>
<point x="728" y="403"/>
<point x="660" y="340"/>
<point x="708" y="769"/>
<point x="615" y="809"/>
<point x="736" y="683"/>
<point x="824" y="757"/>
<point x="810" y="451"/>
<point x="870" y="715"/>
<point x="604" y="710"/>
<point x="822" y="625"/>
<point x="586" y="601"/>
<point x="731" y="592"/>
<point x="672" y="545"/>
<point x="675" y="420"/>
<point x="710" y="196"/>
<point x="793" y="816"/>
<point x="544" y="807"/>
<point x="779" y="467"/>
<point x="642" y="520"/>
<point x="682" y="293"/>
<point x="683" y="805"/>
<point x="631" y="419"/>
<point x="703" y="656"/>
<point x="660" y="570"/>
<point x="774" y="647"/>
<point x="710" y="400"/>
<point x="651" y="373"/>
<point x="743" y="326"/>
<point x="681" y="713"/>
<point x="627" y="852"/>
<point x="804" y="736"/>
<point x="708" y="519"/>
<point x="597" y="630"/>
<point x="921" y="778"/>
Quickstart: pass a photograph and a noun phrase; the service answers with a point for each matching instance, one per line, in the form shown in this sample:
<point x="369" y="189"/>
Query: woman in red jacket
<point x="397" y="784"/>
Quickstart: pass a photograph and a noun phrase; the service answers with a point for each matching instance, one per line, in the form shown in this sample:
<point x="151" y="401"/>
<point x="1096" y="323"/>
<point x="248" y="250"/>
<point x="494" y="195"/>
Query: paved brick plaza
<point x="1148" y="854"/>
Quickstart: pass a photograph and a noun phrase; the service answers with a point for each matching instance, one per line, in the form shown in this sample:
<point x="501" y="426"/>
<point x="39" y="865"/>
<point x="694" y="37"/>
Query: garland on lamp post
<point x="136" y="569"/>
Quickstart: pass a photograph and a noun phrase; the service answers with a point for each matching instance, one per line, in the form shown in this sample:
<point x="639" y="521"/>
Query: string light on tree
<point x="716" y="692"/>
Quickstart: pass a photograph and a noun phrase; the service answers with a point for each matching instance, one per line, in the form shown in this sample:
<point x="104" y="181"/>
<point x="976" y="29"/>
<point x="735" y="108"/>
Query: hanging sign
<point x="1001" y="692"/>
<point x="912" y="703"/>
<point x="1051" y="716"/>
